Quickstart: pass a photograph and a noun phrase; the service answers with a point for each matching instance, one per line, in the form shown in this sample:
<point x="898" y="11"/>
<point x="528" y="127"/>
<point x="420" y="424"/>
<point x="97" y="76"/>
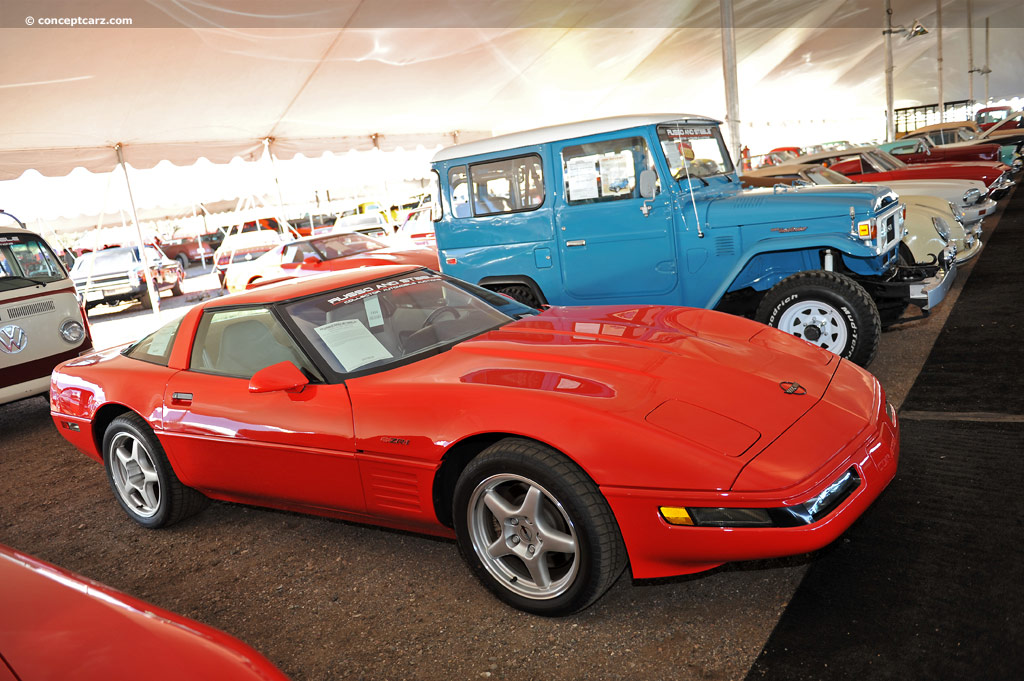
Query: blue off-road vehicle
<point x="649" y="209"/>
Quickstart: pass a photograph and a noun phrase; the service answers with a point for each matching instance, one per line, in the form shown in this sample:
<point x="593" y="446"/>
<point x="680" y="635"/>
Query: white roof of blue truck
<point x="553" y="133"/>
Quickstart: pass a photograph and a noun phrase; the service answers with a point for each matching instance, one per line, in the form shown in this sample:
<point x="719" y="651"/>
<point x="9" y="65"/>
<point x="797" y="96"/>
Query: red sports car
<point x="923" y="150"/>
<point x="327" y="253"/>
<point x="554" y="445"/>
<point x="869" y="164"/>
<point x="57" y="625"/>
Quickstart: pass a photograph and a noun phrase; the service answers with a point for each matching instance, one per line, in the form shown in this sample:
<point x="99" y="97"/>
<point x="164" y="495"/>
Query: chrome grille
<point x="30" y="309"/>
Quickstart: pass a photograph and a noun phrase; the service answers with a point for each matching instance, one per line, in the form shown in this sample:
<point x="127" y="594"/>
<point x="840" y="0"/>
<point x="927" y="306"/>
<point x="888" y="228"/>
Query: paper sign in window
<point x="582" y="176"/>
<point x="374" y="317"/>
<point x="352" y="344"/>
<point x="616" y="174"/>
<point x="161" y="339"/>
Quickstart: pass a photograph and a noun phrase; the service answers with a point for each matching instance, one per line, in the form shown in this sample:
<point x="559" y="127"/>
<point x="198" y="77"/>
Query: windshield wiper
<point x="37" y="282"/>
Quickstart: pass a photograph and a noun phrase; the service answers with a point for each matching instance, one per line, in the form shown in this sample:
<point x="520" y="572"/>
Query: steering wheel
<point x="436" y="314"/>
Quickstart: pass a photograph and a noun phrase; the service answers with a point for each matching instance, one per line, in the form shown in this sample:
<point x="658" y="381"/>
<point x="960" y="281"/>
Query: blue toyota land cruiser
<point x="649" y="209"/>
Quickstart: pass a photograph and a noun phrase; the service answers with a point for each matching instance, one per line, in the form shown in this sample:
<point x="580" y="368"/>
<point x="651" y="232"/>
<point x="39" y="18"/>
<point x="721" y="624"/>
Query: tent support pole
<point x="154" y="297"/>
<point x="732" y="96"/>
<point x="938" y="20"/>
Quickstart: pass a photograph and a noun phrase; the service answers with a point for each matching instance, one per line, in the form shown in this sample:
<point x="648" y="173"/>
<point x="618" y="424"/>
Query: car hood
<point x="949" y="190"/>
<point x="394" y="255"/>
<point x="761" y="206"/>
<point x="717" y="380"/>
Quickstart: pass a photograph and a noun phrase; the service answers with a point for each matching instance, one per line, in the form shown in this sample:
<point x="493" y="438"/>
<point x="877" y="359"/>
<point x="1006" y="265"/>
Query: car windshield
<point x="378" y="324"/>
<point x="344" y="245"/>
<point x="26" y="260"/>
<point x="823" y="175"/>
<point x="694" y="150"/>
<point x="883" y="160"/>
<point x="1009" y="123"/>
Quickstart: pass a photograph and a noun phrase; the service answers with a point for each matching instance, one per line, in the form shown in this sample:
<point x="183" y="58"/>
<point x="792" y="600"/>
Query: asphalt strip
<point x="929" y="583"/>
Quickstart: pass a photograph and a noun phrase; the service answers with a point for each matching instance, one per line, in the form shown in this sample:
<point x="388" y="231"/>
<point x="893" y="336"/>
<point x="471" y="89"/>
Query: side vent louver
<point x="724" y="246"/>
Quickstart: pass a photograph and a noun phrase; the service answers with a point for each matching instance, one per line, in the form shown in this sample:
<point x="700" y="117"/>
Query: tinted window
<point x="156" y="347"/>
<point x="240" y="342"/>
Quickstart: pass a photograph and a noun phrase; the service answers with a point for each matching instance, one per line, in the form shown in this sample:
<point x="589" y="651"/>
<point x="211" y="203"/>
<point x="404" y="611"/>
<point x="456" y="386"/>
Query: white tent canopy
<point x="194" y="79"/>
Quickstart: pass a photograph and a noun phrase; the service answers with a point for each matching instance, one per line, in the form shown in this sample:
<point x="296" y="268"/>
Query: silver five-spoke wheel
<point x="135" y="475"/>
<point x="523" y="536"/>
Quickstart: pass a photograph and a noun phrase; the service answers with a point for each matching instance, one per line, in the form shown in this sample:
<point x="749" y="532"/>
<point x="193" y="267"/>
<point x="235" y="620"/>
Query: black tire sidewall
<point x="578" y="594"/>
<point x="143" y="434"/>
<point x="858" y="321"/>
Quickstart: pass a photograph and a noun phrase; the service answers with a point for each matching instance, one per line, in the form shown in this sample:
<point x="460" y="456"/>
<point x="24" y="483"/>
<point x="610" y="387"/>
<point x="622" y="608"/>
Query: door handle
<point x="576" y="242"/>
<point x="184" y="399"/>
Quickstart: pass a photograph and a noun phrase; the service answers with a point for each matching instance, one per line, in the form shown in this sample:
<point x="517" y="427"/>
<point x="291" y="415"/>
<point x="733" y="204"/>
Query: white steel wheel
<point x="816" y="322"/>
<point x="523" y="536"/>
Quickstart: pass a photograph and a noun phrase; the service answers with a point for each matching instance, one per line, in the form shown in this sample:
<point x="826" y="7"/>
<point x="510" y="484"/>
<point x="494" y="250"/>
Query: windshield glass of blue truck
<point x="694" y="150"/>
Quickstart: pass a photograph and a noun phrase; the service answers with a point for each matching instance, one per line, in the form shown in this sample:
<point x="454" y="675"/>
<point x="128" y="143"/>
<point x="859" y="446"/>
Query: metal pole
<point x="732" y="97"/>
<point x="154" y="297"/>
<point x="986" y="71"/>
<point x="286" y="227"/>
<point x="938" y="18"/>
<point x="970" y="61"/>
<point x="890" y="124"/>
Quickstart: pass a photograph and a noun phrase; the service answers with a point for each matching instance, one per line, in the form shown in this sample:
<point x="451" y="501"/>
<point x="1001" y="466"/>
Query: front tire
<point x="827" y="309"/>
<point x="535" y="529"/>
<point x="521" y="293"/>
<point x="141" y="477"/>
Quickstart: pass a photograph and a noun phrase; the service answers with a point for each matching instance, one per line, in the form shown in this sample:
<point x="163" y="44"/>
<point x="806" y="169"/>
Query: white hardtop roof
<point x="553" y="133"/>
<point x="851" y="151"/>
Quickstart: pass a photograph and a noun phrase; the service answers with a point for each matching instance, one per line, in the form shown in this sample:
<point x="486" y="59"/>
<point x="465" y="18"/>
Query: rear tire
<point x="183" y="259"/>
<point x="827" y="309"/>
<point x="141" y="477"/>
<point x="535" y="529"/>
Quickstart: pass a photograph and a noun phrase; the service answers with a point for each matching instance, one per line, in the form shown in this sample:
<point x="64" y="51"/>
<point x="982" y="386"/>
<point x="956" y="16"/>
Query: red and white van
<point x="41" y="321"/>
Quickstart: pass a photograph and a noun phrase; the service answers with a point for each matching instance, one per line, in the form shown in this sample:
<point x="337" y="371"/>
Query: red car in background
<point x="923" y="150"/>
<point x="555" y="446"/>
<point x="875" y="166"/>
<point x="990" y="115"/>
<point x="328" y="253"/>
<point x="55" y="624"/>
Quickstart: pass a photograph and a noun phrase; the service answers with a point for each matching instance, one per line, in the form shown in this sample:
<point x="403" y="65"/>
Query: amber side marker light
<point x="676" y="516"/>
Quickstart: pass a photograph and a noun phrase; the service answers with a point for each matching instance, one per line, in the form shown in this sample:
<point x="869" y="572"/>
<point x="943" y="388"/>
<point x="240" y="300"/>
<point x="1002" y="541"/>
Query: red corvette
<point x="872" y="165"/>
<point x="553" y="445"/>
<point x="57" y="625"/>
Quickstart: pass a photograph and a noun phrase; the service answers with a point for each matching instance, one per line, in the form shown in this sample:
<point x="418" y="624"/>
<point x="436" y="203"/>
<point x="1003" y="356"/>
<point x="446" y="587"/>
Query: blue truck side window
<point x="604" y="171"/>
<point x="508" y="185"/>
<point x="458" y="191"/>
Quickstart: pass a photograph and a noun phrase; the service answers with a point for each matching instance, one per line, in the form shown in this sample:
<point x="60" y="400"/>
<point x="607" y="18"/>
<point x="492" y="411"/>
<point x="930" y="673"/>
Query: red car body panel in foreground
<point x="660" y="406"/>
<point x="58" y="625"/>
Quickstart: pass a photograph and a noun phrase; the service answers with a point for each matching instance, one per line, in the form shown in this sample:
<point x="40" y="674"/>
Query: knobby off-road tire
<point x="535" y="529"/>
<point x="827" y="309"/>
<point x="520" y="293"/>
<point x="141" y="477"/>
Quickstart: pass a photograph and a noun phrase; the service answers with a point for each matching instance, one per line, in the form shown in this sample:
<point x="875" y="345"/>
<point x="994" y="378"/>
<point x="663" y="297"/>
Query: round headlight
<point x="972" y="196"/>
<point x="72" y="331"/>
<point x="942" y="227"/>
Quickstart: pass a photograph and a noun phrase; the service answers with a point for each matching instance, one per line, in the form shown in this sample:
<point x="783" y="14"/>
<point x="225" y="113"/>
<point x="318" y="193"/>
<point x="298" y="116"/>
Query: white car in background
<point x="371" y="224"/>
<point x="968" y="197"/>
<point x="237" y="255"/>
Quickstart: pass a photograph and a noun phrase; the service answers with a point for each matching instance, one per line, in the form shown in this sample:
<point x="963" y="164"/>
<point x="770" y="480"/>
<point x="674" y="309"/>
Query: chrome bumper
<point x="930" y="292"/>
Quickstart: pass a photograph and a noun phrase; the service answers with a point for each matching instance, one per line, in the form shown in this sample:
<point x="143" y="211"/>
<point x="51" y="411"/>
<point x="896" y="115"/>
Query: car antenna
<point x="693" y="201"/>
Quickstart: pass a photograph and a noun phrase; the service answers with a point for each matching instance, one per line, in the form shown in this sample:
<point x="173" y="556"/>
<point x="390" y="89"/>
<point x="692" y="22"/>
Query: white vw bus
<point x="41" y="322"/>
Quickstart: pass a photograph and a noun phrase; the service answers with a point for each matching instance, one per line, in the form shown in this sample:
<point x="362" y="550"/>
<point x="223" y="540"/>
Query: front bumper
<point x="931" y="291"/>
<point x="659" y="549"/>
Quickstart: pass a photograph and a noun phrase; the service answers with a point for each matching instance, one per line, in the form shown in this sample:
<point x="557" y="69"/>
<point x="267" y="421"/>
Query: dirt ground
<point x="325" y="599"/>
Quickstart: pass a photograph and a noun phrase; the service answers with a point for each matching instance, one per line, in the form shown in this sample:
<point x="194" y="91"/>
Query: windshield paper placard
<point x="374" y="317"/>
<point x="690" y="133"/>
<point x="360" y="293"/>
<point x="352" y="344"/>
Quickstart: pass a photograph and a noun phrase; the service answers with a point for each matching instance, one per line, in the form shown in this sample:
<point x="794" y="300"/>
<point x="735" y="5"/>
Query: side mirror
<point x="648" y="181"/>
<point x="280" y="376"/>
<point x="311" y="261"/>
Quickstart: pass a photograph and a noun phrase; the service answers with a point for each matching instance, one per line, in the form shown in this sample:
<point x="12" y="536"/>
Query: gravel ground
<point x="325" y="599"/>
